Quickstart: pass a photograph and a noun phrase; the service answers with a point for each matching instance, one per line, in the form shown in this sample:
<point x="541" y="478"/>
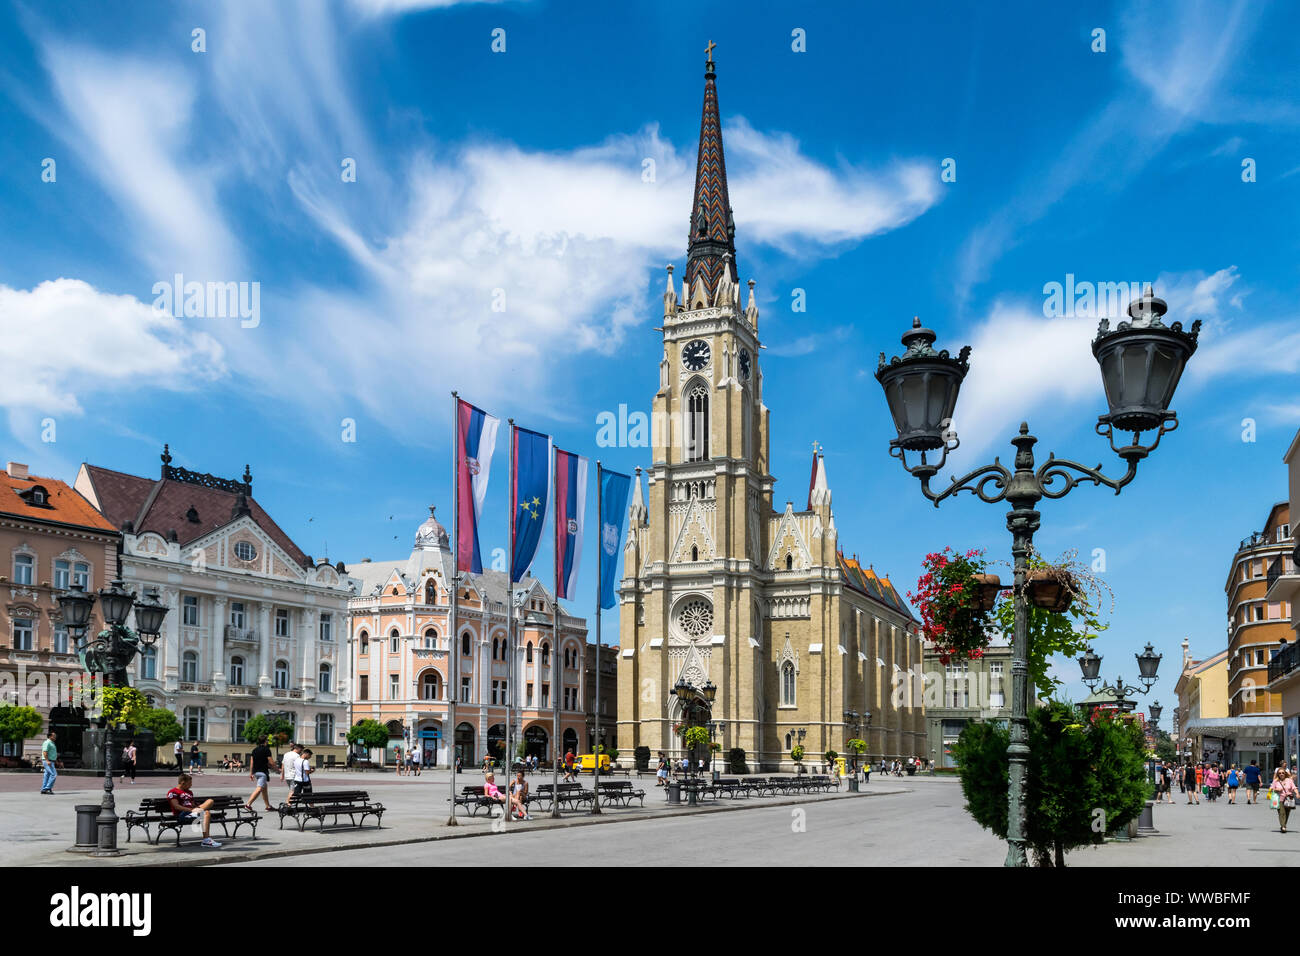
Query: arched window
<point x="695" y="553"/>
<point x="364" y="638"/>
<point x="431" y="686"/>
<point x="697" y="423"/>
<point x="546" y="654"/>
<point x="323" y="681"/>
<point x="789" y="562"/>
<point x="530" y="652"/>
<point x="789" y="742"/>
<point x="190" y="667"/>
<point x="430" y="639"/>
<point x="393" y="641"/>
<point x="464" y="644"/>
<point x="496" y="648"/>
<point x="787" y="684"/>
<point x="430" y="592"/>
<point x="237" y="671"/>
<point x="282" y="675"/>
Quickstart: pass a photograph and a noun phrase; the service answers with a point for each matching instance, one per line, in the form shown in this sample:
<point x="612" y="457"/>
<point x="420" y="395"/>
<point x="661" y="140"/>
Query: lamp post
<point x="694" y="699"/>
<point x="108" y="654"/>
<point x="1141" y="362"/>
<point x="1148" y="663"/>
<point x="855" y="720"/>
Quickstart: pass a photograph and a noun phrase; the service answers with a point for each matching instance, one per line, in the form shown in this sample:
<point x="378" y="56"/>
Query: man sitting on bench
<point x="181" y="799"/>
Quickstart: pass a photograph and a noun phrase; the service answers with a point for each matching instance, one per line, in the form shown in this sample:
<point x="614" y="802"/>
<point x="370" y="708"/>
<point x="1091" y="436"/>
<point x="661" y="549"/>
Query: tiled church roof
<point x="712" y="227"/>
<point x="866" y="581"/>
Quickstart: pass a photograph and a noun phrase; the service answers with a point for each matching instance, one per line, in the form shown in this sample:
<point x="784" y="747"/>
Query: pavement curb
<point x="450" y="833"/>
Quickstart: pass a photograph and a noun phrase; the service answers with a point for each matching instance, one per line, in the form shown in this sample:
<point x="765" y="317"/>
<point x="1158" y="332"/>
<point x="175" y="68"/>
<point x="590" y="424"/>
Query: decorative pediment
<point x="695" y="670"/>
<point x="787" y="654"/>
<point x="789" y="540"/>
<point x="694" y="535"/>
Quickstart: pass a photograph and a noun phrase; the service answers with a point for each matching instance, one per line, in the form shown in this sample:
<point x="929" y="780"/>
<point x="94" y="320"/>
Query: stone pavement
<point x="917" y="821"/>
<point x="37" y="829"/>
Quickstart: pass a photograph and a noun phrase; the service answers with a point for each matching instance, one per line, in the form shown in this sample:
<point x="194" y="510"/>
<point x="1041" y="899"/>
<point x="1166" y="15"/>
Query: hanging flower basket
<point x="1050" y="588"/>
<point x="954" y="597"/>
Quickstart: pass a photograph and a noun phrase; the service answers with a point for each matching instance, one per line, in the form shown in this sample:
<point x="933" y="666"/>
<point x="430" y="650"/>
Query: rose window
<point x="696" y="618"/>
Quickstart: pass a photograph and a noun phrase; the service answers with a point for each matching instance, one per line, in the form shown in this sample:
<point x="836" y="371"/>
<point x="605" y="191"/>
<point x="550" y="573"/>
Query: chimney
<point x="16" y="470"/>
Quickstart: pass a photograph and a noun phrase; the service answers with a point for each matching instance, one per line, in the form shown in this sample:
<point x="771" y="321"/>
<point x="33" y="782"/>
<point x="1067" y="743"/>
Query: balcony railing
<point x="241" y="690"/>
<point x="1284" y="662"/>
<point x="1274" y="570"/>
<point x="241" y="635"/>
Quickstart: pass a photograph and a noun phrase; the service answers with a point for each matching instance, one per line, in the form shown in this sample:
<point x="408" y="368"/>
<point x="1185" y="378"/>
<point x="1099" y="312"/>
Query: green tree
<point x="370" y="734"/>
<point x="276" y="729"/>
<point x="122" y="705"/>
<point x="1165" y="749"/>
<point x="796" y="753"/>
<point x="19" y="723"/>
<point x="1083" y="778"/>
<point x="161" y="723"/>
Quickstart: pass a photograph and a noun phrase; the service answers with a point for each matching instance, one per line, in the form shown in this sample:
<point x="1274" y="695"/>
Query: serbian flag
<point x="476" y="438"/>
<point x="570" y="503"/>
<point x="613" y="509"/>
<point x="530" y="496"/>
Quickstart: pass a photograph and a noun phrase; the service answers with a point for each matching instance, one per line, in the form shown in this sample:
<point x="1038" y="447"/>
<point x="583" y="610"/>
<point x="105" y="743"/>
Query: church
<point x="719" y="587"/>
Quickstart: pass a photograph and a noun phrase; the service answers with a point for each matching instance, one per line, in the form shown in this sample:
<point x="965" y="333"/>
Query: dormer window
<point x="192" y="516"/>
<point x="36" y="496"/>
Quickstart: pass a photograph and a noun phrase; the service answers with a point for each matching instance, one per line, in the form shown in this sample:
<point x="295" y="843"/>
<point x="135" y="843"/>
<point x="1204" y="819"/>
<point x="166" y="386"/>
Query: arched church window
<point x="695" y="553"/>
<point x="787" y="684"/>
<point x="696" y="618"/>
<point x="789" y="562"/>
<point x="697" y="423"/>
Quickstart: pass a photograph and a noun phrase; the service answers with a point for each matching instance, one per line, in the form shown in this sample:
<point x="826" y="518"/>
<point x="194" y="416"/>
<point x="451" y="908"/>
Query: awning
<point x="1232" y="727"/>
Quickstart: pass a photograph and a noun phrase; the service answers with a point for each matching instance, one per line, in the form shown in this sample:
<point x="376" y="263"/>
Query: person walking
<point x="196" y="760"/>
<point x="289" y="768"/>
<point x="1234" y="781"/>
<point x="303" y="787"/>
<point x="1212" y="783"/>
<point x="1189" y="783"/>
<point x="400" y="760"/>
<point x="661" y="772"/>
<point x="178" y="751"/>
<point x="259" y="771"/>
<point x="1282" y="794"/>
<point x="1253" y="778"/>
<point x="128" y="762"/>
<point x="49" y="757"/>
<point x="417" y="757"/>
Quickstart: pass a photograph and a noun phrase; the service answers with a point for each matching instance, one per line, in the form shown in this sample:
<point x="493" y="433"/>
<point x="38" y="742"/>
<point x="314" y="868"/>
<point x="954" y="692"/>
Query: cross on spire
<point x="708" y="51"/>
<point x="817" y="447"/>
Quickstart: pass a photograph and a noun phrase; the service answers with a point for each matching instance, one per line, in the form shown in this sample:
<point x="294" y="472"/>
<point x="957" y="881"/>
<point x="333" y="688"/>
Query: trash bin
<point x="87" y="831"/>
<point x="674" y="792"/>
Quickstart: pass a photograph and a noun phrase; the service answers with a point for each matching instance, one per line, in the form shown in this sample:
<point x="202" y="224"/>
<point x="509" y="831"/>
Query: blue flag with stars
<point x="530" y="496"/>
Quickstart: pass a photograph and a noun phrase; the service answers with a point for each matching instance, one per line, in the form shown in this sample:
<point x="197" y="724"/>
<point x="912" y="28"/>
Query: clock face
<point x="744" y="364"/>
<point x="695" y="355"/>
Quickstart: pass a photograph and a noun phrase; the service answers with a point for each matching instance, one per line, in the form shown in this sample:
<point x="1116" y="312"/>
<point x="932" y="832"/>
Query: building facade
<point x="400" y="648"/>
<point x="607" y="705"/>
<point x="962" y="691"/>
<point x="1202" y="690"/>
<point x="1255" y="623"/>
<point x="51" y="538"/>
<point x="718" y="586"/>
<point x="1284" y="588"/>
<point x="253" y="624"/>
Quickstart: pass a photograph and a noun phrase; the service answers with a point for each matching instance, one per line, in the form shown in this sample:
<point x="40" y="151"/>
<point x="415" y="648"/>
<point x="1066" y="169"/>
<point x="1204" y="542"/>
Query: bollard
<point x="853" y="784"/>
<point x="87" y="832"/>
<point x="1146" y="823"/>
<point x="674" y="793"/>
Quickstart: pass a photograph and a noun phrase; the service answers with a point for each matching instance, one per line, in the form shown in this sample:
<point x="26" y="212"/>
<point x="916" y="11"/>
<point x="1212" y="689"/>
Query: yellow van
<point x="587" y="763"/>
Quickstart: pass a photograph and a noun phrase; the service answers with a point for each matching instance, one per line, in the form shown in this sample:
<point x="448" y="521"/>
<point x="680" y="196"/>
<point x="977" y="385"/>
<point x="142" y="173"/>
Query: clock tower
<point x="719" y="588"/>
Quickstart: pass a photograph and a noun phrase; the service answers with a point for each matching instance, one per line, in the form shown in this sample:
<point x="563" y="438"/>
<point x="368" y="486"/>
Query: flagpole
<point x="453" y="642"/>
<point x="510" y="620"/>
<point x="600" y="562"/>
<point x="555" y="654"/>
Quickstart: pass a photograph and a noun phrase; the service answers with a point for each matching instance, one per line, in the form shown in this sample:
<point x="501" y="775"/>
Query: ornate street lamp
<point x="1141" y="361"/>
<point x="108" y="654"/>
<point x="1155" y="710"/>
<point x="1148" y="664"/>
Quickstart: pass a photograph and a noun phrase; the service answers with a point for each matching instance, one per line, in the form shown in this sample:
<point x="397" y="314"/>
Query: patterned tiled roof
<point x="711" y="224"/>
<point x="866" y="581"/>
<point x="165" y="504"/>
<point x="66" y="506"/>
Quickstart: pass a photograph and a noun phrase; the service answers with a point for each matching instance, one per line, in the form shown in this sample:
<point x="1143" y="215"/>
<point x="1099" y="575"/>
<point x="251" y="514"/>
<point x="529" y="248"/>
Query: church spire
<point x="712" y="227"/>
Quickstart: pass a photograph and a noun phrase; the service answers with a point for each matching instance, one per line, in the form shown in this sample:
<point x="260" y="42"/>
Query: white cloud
<point x="64" y="340"/>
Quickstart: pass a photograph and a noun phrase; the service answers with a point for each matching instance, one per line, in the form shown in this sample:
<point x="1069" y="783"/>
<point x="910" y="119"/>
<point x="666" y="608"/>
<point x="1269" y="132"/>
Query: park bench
<point x="335" y="803"/>
<point x="621" y="792"/>
<point x="228" y="810"/>
<point x="731" y="787"/>
<point x="570" y="795"/>
<point x="475" y="799"/>
<point x="759" y="786"/>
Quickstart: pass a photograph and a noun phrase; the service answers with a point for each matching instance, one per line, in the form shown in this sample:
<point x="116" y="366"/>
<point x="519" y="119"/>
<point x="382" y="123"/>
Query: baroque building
<point x="52" y="538"/>
<point x="253" y="624"/>
<point x="399" y="643"/>
<point x="720" y="587"/>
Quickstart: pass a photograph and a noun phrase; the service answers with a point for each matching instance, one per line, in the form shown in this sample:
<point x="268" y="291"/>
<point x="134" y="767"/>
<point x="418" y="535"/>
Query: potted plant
<point x="952" y="596"/>
<point x="796" y="754"/>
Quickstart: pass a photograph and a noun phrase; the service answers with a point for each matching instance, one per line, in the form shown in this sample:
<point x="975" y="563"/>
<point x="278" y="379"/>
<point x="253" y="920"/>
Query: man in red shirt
<point x="181" y="800"/>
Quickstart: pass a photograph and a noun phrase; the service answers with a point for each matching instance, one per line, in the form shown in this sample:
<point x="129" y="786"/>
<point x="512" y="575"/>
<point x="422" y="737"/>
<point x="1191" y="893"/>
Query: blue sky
<point x="523" y="171"/>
